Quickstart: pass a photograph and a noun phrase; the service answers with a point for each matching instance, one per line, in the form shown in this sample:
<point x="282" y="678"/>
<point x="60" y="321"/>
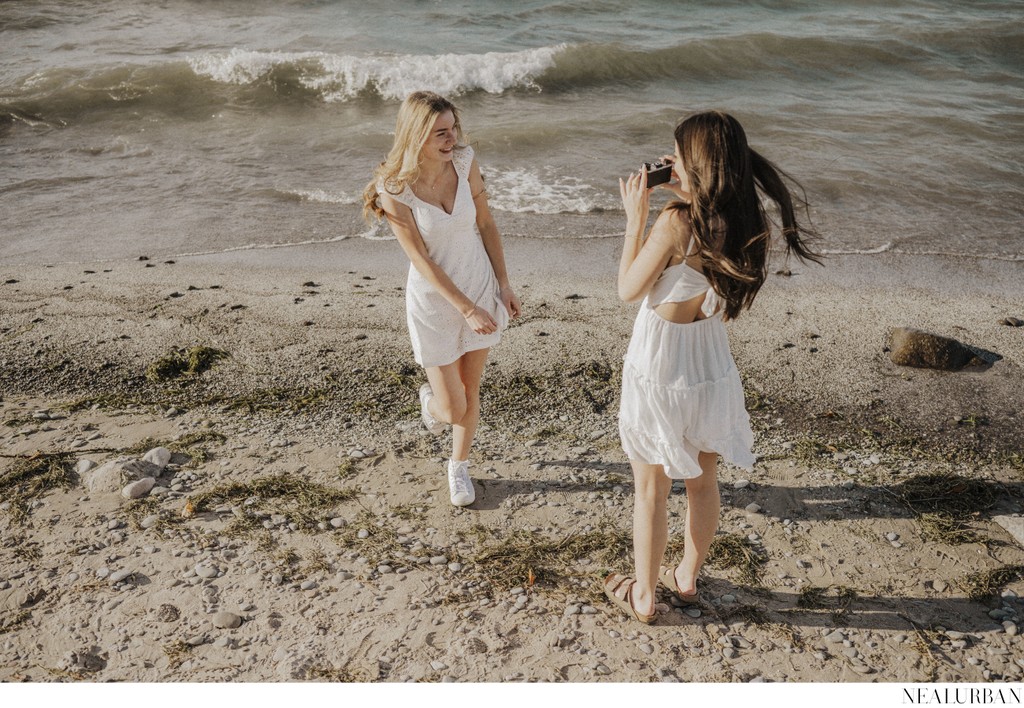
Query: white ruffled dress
<point x="681" y="392"/>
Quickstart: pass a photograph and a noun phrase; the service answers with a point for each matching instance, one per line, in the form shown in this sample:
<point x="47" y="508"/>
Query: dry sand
<point x="873" y="542"/>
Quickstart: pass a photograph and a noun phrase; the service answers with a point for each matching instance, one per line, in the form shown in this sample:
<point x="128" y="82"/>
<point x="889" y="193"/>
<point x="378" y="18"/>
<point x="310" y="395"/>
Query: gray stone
<point x="835" y="637"/>
<point x="1014" y="525"/>
<point x="741" y="484"/>
<point x="439" y="560"/>
<point x="206" y="571"/>
<point x="753" y="508"/>
<point x="308" y="585"/>
<point x="924" y="350"/>
<point x="338" y="522"/>
<point x="158" y="456"/>
<point x="120" y="575"/>
<point x="226" y="620"/>
<point x="84" y="466"/>
<point x="138" y="489"/>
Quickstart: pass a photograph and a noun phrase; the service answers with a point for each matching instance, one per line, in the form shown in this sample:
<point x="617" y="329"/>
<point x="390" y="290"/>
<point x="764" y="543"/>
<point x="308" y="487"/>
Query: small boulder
<point x="138" y="488"/>
<point x="158" y="456"/>
<point x="112" y="476"/>
<point x="924" y="350"/>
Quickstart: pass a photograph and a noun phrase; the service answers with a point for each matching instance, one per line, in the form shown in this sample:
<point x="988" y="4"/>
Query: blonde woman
<point x="458" y="297"/>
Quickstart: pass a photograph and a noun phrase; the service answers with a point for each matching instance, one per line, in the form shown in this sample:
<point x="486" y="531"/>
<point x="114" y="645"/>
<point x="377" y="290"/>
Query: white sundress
<point x="681" y="392"/>
<point x="440" y="334"/>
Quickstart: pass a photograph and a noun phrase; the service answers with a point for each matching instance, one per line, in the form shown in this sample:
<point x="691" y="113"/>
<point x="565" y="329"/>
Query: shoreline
<point x="830" y="567"/>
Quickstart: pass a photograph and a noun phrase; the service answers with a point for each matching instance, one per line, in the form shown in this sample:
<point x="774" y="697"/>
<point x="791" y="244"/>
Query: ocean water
<point x="176" y="127"/>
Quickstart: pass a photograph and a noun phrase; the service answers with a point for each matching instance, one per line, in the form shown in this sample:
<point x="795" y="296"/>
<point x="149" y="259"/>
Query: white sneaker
<point x="432" y="424"/>
<point x="459" y="483"/>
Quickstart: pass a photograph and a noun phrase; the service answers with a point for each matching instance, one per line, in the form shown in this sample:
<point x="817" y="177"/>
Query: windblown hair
<point x="729" y="223"/>
<point x="416" y="120"/>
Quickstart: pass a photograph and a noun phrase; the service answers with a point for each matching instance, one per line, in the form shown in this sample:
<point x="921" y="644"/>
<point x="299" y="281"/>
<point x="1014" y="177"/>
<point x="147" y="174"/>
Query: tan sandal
<point x="625" y="603"/>
<point x="667" y="576"/>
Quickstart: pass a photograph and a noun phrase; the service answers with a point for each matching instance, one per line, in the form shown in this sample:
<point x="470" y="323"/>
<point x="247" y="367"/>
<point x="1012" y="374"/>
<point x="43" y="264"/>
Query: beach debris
<point x="924" y="350"/>
<point x="1012" y="322"/>
<point x="182" y="362"/>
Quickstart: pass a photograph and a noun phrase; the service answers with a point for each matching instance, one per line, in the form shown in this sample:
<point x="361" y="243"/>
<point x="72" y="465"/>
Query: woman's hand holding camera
<point x="636" y="200"/>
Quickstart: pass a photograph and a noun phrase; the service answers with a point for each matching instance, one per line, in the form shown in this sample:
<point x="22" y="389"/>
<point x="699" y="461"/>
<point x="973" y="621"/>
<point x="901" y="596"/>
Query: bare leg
<point x="650" y="531"/>
<point x="456" y="399"/>
<point x="703" y="508"/>
<point x="471" y="369"/>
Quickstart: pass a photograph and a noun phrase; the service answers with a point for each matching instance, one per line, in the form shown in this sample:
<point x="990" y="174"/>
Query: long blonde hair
<point x="416" y="120"/>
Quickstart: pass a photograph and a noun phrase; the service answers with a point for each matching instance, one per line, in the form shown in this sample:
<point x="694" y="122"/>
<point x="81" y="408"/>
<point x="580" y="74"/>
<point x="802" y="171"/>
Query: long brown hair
<point x="416" y="120"/>
<point x="730" y="226"/>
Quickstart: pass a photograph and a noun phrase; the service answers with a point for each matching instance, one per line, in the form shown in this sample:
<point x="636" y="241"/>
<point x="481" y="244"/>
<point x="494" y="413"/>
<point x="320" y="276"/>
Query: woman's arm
<point x="492" y="239"/>
<point x="642" y="260"/>
<point x="403" y="225"/>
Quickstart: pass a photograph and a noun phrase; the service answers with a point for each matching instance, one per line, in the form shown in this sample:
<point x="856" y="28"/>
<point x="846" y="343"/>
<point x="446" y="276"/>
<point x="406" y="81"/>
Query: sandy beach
<point x="298" y="526"/>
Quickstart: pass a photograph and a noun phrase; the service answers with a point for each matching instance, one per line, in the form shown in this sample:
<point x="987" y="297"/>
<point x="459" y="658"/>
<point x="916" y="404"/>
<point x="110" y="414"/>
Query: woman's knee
<point x="450" y="409"/>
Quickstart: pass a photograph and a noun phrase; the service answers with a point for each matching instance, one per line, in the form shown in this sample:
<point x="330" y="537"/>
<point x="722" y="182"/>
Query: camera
<point x="658" y="172"/>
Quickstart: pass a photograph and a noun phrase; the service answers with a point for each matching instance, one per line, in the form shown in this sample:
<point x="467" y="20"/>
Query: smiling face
<point x="441" y="142"/>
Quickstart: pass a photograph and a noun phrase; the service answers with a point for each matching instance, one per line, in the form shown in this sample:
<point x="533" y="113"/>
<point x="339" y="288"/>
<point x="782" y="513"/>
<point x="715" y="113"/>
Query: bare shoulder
<point x="673" y="226"/>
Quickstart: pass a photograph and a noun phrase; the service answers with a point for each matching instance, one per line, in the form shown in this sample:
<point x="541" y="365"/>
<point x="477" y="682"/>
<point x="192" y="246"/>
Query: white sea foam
<point x="546" y="192"/>
<point x="339" y="78"/>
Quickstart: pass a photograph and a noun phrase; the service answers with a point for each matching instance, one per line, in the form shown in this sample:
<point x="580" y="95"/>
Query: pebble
<point x="196" y="640"/>
<point x="455" y="567"/>
<point x="835" y="637"/>
<point x="139" y="488"/>
<point x="741" y="484"/>
<point x="338" y="522"/>
<point x="1010" y="628"/>
<point x="693" y="612"/>
<point x="438" y="665"/>
<point x="385" y="569"/>
<point x="572" y="610"/>
<point x="753" y="508"/>
<point x="602" y="669"/>
<point x="647" y="648"/>
<point x="589" y="610"/>
<point x="439" y="560"/>
<point x="940" y="585"/>
<point x="308" y="585"/>
<point x="120" y="575"/>
<point x="730" y="653"/>
<point x="363" y="533"/>
<point x="226" y="620"/>
<point x="206" y="571"/>
<point x="892" y="536"/>
<point x="159" y="456"/>
<point x="150" y="521"/>
<point x="84" y="466"/>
